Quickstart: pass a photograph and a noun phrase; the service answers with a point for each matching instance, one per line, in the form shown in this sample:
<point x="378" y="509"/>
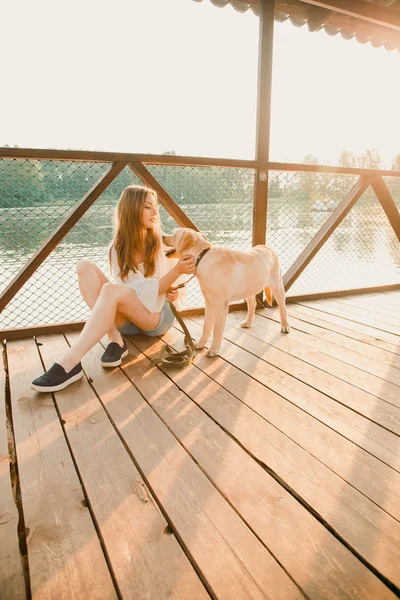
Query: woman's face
<point x="149" y="215"/>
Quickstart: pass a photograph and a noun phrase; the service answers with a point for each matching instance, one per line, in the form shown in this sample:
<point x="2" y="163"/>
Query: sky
<point x="152" y="76"/>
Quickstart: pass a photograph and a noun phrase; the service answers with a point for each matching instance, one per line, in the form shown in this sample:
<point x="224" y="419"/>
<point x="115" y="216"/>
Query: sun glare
<point x="179" y="75"/>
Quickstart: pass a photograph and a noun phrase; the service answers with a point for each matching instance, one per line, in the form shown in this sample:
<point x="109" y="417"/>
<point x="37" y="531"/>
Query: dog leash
<point x="170" y="358"/>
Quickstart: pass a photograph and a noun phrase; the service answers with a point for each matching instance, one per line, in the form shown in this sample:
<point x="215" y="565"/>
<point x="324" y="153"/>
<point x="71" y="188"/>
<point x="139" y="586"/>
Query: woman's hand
<point x="186" y="265"/>
<point x="172" y="294"/>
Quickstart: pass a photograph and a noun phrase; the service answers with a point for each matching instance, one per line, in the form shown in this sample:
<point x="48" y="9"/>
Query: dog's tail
<point x="268" y="295"/>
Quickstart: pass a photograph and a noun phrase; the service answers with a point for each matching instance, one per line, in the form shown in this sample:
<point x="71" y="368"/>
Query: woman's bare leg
<point x="91" y="279"/>
<point x="115" y="302"/>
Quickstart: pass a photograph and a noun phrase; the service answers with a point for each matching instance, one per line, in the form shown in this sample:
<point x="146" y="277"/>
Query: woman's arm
<point x="114" y="266"/>
<point x="185" y="266"/>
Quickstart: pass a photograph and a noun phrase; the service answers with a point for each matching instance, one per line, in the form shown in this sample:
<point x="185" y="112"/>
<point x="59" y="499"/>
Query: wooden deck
<point x="272" y="471"/>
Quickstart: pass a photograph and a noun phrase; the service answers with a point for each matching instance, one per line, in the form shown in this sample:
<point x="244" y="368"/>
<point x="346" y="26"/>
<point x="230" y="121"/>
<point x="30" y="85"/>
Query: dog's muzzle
<point x="171" y="248"/>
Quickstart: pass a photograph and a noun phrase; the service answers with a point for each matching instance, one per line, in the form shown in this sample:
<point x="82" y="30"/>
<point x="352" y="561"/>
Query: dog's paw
<point x="199" y="344"/>
<point x="213" y="352"/>
<point x="285" y="329"/>
<point x="245" y="324"/>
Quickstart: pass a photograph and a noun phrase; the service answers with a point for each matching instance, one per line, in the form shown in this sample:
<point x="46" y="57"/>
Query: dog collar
<point x="200" y="256"/>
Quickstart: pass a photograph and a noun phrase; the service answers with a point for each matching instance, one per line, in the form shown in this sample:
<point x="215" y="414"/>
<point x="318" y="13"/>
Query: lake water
<point x="362" y="252"/>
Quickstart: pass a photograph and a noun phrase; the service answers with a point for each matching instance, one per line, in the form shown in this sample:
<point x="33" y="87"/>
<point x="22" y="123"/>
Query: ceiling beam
<point x="360" y="10"/>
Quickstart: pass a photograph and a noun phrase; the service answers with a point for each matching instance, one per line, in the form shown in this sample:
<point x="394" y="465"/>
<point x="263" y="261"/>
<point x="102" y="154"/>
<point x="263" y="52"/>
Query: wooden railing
<point x="137" y="163"/>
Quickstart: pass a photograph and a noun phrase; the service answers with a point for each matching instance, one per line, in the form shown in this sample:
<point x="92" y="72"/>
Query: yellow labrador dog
<point x="227" y="275"/>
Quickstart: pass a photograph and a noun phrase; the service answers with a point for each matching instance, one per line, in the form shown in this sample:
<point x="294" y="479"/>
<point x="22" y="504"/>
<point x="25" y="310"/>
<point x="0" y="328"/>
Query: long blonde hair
<point x="131" y="236"/>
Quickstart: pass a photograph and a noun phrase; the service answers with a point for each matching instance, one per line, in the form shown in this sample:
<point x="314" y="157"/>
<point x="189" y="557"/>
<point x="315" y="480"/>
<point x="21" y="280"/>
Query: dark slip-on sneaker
<point x="113" y="355"/>
<point x="56" y="378"/>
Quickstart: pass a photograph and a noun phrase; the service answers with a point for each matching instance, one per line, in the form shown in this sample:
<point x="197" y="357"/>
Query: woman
<point x="137" y="302"/>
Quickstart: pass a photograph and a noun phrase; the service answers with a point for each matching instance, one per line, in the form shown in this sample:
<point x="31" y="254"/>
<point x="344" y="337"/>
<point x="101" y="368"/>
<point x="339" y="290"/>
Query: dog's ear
<point x="187" y="241"/>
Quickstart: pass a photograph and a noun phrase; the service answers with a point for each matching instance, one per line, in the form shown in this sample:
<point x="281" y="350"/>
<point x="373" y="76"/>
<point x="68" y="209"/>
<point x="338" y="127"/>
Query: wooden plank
<point x="297" y="347"/>
<point x="23" y="332"/>
<point x="146" y="559"/>
<point x="192" y="312"/>
<point x="351" y="329"/>
<point x="376" y="326"/>
<point x="359" y="9"/>
<point x="391" y="298"/>
<point x="364" y="361"/>
<point x="339" y="293"/>
<point x="55" y="238"/>
<point x="64" y="553"/>
<point x="165" y="199"/>
<point x="379" y="308"/>
<point x="384" y="414"/>
<point x="233" y="562"/>
<point x="381" y="190"/>
<point x="234" y="471"/>
<point x="12" y="584"/>
<point x="151" y="159"/>
<point x="368" y="474"/>
<point x="373" y="360"/>
<point x="380" y="442"/>
<point x="376" y="306"/>
<point x="163" y="159"/>
<point x="95" y="156"/>
<point x="324" y="233"/>
<point x="26" y="332"/>
<point x="384" y="316"/>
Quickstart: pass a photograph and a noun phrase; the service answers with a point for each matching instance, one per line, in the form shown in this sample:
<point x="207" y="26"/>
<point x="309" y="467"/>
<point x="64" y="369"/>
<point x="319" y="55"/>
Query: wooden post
<point x="265" y="52"/>
<point x="264" y="83"/>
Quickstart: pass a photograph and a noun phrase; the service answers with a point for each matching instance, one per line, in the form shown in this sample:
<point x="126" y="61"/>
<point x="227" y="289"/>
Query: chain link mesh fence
<point x="51" y="295"/>
<point x="298" y="205"/>
<point x="362" y="252"/>
<point x="219" y="201"/>
<point x="393" y="184"/>
<point x="35" y="196"/>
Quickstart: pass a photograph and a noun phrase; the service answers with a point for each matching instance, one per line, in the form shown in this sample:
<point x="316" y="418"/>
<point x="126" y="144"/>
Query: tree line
<point x="36" y="182"/>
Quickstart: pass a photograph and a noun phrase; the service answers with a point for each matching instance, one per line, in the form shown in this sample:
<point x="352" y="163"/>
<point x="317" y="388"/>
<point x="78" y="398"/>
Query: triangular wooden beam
<point x="325" y="232"/>
<point x="48" y="246"/>
<point x="382" y="193"/>
<point x="165" y="199"/>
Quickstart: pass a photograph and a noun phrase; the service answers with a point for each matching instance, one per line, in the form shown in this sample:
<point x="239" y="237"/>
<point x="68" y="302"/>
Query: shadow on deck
<point x="272" y="471"/>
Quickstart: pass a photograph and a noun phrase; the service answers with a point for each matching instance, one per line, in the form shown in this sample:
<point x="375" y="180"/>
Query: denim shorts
<point x="166" y="319"/>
